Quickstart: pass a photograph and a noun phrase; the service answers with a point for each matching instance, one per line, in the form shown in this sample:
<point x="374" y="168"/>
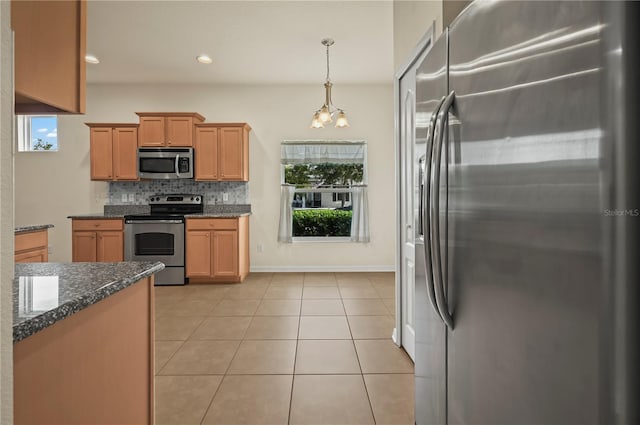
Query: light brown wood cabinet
<point x="98" y="240"/>
<point x="217" y="249"/>
<point x="114" y="151"/>
<point x="222" y="151"/>
<point x="170" y="129"/>
<point x="49" y="50"/>
<point x="90" y="362"/>
<point x="32" y="247"/>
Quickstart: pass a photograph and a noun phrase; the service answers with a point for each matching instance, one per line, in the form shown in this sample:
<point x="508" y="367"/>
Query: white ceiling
<point x="250" y="42"/>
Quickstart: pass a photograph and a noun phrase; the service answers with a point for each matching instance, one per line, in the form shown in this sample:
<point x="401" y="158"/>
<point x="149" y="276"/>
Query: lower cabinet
<point x="217" y="249"/>
<point x="32" y="247"/>
<point x="98" y="240"/>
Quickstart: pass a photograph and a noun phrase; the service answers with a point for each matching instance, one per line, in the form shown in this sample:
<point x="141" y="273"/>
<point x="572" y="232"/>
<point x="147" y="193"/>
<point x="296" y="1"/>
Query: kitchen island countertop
<point x="32" y="228"/>
<point x="45" y="293"/>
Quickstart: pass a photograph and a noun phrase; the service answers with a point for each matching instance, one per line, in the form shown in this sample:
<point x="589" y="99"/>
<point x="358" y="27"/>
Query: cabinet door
<point x="125" y="153"/>
<point x="101" y="153"/>
<point x="225" y="253"/>
<point x="35" y="256"/>
<point x="231" y="153"/>
<point x="84" y="246"/>
<point x="206" y="153"/>
<point x="49" y="58"/>
<point x="179" y="131"/>
<point x="110" y="247"/>
<point x="198" y="253"/>
<point x="151" y="131"/>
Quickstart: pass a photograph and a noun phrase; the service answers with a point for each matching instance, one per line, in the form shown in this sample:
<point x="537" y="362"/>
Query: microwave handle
<point x="177" y="165"/>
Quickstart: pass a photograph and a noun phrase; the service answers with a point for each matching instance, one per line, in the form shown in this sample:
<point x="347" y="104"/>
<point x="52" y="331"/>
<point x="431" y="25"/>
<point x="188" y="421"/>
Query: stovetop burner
<point x="172" y="206"/>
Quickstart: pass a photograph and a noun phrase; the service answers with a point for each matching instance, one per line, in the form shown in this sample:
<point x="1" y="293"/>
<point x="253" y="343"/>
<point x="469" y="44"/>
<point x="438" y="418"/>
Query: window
<point x="37" y="133"/>
<point x="323" y="191"/>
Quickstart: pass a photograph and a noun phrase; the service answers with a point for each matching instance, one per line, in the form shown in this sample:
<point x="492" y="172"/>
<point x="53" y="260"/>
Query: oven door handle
<point x="154" y="222"/>
<point x="177" y="165"/>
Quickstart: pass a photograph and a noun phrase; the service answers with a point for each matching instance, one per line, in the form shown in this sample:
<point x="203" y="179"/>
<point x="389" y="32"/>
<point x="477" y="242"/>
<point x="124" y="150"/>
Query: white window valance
<point x="320" y="151"/>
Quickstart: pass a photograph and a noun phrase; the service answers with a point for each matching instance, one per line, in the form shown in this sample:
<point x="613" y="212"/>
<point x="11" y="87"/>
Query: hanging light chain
<point x="328" y="78"/>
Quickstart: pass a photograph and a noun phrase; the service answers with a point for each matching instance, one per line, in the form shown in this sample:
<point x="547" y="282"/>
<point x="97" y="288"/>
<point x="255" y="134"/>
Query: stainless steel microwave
<point x="165" y="163"/>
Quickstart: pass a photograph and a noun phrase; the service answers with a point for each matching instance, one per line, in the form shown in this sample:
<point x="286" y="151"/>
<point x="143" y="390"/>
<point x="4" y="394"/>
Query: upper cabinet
<point x="49" y="49"/>
<point x="222" y="151"/>
<point x="171" y="129"/>
<point x="114" y="151"/>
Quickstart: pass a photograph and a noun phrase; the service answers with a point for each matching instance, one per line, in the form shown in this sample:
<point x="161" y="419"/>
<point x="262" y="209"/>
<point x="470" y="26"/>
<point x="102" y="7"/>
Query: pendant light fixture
<point x="325" y="114"/>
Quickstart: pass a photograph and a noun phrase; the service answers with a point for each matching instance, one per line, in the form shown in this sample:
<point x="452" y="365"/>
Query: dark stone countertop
<point x="33" y="228"/>
<point x="210" y="211"/>
<point x="44" y="293"/>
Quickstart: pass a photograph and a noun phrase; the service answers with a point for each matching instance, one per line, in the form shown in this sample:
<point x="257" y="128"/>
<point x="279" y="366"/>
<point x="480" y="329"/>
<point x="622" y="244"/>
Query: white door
<point x="406" y="230"/>
<point x="408" y="196"/>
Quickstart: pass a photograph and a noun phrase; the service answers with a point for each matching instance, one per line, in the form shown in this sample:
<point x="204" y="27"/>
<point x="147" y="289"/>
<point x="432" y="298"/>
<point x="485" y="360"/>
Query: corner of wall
<point x="411" y="20"/>
<point x="6" y="214"/>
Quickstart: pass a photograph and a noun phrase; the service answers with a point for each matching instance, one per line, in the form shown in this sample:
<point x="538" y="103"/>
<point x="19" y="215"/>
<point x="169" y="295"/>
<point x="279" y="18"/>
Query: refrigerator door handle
<point x="434" y="204"/>
<point x="426" y="189"/>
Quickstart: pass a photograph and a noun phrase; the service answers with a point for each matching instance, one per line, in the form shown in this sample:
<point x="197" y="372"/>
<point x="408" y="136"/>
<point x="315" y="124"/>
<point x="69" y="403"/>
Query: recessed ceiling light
<point x="91" y="59"/>
<point x="204" y="59"/>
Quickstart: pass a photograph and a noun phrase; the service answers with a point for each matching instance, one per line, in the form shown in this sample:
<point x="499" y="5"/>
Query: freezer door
<point x="525" y="271"/>
<point x="430" y="341"/>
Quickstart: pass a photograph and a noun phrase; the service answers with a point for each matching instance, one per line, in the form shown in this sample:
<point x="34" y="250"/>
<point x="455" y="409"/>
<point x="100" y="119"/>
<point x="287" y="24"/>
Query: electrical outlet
<point x="260" y="248"/>
<point x="225" y="196"/>
<point x="132" y="197"/>
<point x="124" y="197"/>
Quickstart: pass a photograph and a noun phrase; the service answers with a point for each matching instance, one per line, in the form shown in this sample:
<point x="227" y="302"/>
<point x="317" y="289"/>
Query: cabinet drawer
<point x="212" y="224"/>
<point x="25" y="241"/>
<point x="97" y="224"/>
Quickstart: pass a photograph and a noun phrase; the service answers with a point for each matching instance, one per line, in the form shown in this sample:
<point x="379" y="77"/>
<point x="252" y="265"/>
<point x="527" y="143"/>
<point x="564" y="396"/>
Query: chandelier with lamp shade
<point x="325" y="114"/>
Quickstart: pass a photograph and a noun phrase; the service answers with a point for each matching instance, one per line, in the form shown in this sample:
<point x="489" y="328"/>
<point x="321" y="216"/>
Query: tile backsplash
<point x="238" y="192"/>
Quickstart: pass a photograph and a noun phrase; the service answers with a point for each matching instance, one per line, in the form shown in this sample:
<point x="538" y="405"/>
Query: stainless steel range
<point x="160" y="235"/>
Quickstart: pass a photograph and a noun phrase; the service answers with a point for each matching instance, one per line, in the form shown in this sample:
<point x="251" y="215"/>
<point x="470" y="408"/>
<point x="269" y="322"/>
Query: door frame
<point x="421" y="48"/>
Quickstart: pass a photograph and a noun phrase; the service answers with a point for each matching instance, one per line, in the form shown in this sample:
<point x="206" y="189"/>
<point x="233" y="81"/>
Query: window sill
<point x="321" y="239"/>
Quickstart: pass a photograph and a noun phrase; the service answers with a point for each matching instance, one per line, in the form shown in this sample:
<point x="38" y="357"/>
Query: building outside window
<point x="323" y="191"/>
<point x="37" y="133"/>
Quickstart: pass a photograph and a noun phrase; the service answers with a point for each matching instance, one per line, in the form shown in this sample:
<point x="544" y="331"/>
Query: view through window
<point x="37" y="133"/>
<point x="323" y="188"/>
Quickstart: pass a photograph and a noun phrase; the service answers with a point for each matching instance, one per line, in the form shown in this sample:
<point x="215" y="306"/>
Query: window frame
<point x="24" y="134"/>
<point x="349" y="189"/>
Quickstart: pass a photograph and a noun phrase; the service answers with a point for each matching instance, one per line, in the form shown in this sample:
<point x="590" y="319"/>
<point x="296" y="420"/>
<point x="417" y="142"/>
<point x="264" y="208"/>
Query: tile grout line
<point x="295" y="357"/>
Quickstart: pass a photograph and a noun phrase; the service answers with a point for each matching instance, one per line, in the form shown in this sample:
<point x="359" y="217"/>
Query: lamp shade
<point x="316" y="122"/>
<point x="325" y="115"/>
<point x="341" y="121"/>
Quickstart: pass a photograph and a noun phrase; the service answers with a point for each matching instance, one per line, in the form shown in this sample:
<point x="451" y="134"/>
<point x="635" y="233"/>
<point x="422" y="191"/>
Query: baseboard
<point x="293" y="269"/>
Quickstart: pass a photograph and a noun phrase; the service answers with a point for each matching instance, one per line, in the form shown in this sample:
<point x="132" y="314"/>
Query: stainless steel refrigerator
<point x="526" y="296"/>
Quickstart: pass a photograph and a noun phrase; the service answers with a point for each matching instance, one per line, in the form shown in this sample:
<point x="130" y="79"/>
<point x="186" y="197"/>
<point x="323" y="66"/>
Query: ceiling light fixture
<point x="325" y="114"/>
<point x="204" y="59"/>
<point x="91" y="59"/>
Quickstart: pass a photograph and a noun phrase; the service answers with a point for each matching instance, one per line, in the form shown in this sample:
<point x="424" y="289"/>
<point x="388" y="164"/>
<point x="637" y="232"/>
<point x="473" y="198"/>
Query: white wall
<point x="50" y="186"/>
<point x="6" y="216"/>
<point x="411" y="20"/>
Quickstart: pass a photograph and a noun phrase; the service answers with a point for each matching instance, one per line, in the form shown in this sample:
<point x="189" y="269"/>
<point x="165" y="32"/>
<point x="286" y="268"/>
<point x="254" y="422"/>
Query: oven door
<point x="155" y="240"/>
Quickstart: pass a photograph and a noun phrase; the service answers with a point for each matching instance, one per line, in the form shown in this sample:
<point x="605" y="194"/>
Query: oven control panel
<point x="178" y="199"/>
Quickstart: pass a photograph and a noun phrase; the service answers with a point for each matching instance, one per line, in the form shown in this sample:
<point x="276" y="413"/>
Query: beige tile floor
<point x="282" y="348"/>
